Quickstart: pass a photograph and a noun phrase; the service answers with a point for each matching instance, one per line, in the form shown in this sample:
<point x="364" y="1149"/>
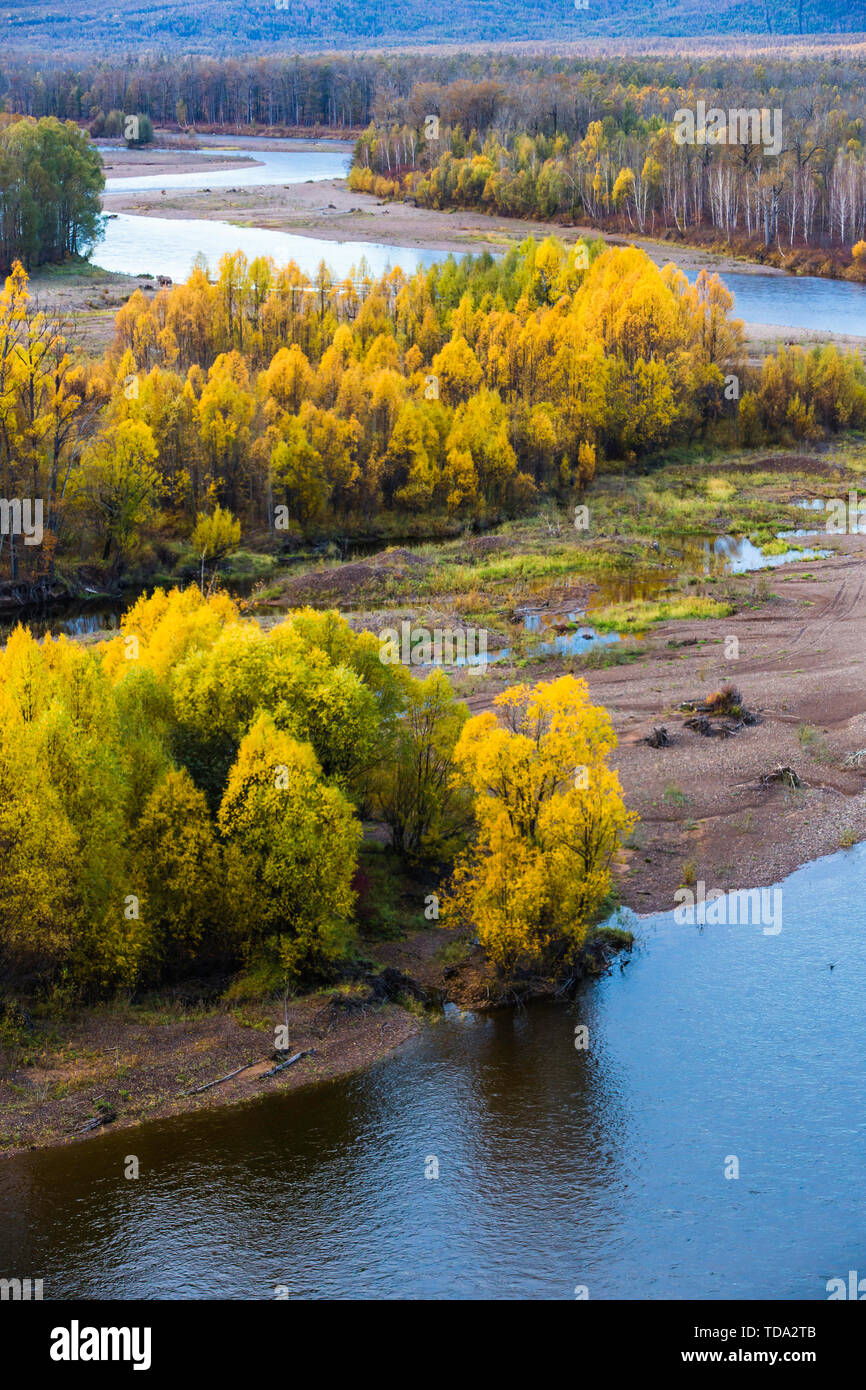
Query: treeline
<point x="50" y="184"/>
<point x="465" y="391"/>
<point x="806" y="186"/>
<point x="189" y="797"/>
<point x="215" y="25"/>
<point x="540" y="93"/>
<point x="534" y="136"/>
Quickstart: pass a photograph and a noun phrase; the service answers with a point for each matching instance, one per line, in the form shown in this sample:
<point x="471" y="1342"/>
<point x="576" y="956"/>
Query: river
<point x="558" y="1167"/>
<point x="138" y="245"/>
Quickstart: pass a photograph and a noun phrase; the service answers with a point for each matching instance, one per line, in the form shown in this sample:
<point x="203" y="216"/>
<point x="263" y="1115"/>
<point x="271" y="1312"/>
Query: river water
<point x="138" y="245"/>
<point x="558" y="1167"/>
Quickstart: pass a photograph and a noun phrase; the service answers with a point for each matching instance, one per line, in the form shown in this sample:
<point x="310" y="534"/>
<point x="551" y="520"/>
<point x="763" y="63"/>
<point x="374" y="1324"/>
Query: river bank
<point x="514" y="1154"/>
<point x="705" y="815"/>
<point x="70" y="1073"/>
<point x="125" y="1063"/>
<point x="327" y="210"/>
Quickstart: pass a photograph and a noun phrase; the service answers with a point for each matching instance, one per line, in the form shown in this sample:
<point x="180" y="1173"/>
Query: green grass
<point x="618" y="654"/>
<point x="777" y="547"/>
<point x="642" y="613"/>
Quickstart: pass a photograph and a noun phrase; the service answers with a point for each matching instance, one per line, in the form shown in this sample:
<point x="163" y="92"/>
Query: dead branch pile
<point x="786" y="775"/>
<point x="726" y="703"/>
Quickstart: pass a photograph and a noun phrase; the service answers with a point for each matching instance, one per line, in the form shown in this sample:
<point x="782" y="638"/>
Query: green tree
<point x="214" y="537"/>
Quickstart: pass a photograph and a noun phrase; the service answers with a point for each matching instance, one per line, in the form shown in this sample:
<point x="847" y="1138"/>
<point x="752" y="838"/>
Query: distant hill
<point x="52" y="28"/>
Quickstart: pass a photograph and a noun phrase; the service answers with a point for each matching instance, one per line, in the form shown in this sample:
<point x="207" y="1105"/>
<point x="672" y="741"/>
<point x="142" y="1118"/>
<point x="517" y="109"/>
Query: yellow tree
<point x="550" y="818"/>
<point x="295" y="841"/>
<point x="215" y="536"/>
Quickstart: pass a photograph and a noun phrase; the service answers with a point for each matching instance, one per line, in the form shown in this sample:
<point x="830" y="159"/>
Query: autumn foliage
<point x="189" y="795"/>
<point x="550" y="817"/>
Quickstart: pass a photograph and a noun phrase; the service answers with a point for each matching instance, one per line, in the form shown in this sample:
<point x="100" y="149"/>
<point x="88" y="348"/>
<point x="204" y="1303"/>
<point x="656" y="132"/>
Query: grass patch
<point x="814" y="744"/>
<point x="455" y="952"/>
<point x="642" y="613"/>
<point x="617" y="938"/>
<point x="617" y="654"/>
<point x="673" y="796"/>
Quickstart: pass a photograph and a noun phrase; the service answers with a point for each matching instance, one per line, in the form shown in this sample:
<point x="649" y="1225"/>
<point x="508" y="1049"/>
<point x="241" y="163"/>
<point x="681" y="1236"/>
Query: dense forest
<point x="50" y="185"/>
<point x="541" y="93"/>
<point x="210" y="27"/>
<point x="763" y="159"/>
<point x="810" y="192"/>
<point x="190" y="796"/>
<point x="565" y="138"/>
<point x="469" y="391"/>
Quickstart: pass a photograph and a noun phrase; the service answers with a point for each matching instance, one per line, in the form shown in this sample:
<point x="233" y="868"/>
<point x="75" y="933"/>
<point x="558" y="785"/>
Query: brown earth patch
<point x="802" y="667"/>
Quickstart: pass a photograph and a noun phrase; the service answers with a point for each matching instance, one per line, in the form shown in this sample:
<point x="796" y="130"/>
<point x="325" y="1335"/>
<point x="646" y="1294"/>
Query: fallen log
<point x="220" y="1079"/>
<point x="659" y="738"/>
<point x="291" y="1061"/>
<point x="701" y="725"/>
<point x="108" y="1118"/>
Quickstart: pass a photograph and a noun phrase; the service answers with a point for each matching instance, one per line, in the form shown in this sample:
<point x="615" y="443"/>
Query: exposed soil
<point x="802" y="667"/>
<point x="336" y="582"/>
<point x="137" y="1063"/>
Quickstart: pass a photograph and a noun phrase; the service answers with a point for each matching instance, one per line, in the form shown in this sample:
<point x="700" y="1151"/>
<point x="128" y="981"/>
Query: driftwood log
<point x="701" y="725"/>
<point x="196" y="1090"/>
<point x="786" y="775"/>
<point x="106" y="1119"/>
<point x="290" y="1062"/>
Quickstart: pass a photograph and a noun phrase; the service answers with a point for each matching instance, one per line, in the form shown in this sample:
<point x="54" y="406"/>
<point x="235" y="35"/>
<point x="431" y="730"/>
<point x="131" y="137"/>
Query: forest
<point x="535" y="91"/>
<point x="468" y="391"/>
<point x="190" y="795"/>
<point x="789" y="172"/>
<point x="568" y="139"/>
<point x="208" y="27"/>
<point x="50" y="185"/>
<point x="646" y="182"/>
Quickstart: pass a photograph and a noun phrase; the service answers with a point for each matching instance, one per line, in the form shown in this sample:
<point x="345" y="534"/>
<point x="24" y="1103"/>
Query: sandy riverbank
<point x="801" y="665"/>
<point x="139" y="1060"/>
<point x="329" y="211"/>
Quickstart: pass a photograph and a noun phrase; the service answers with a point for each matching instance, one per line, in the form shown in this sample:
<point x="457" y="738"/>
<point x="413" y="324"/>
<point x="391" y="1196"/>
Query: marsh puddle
<point x="570" y="632"/>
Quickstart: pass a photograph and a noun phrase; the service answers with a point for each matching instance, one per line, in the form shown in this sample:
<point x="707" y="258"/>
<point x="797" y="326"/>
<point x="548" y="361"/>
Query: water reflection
<point x="557" y="1166"/>
<point x="271" y="167"/>
<point x="169" y="246"/>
